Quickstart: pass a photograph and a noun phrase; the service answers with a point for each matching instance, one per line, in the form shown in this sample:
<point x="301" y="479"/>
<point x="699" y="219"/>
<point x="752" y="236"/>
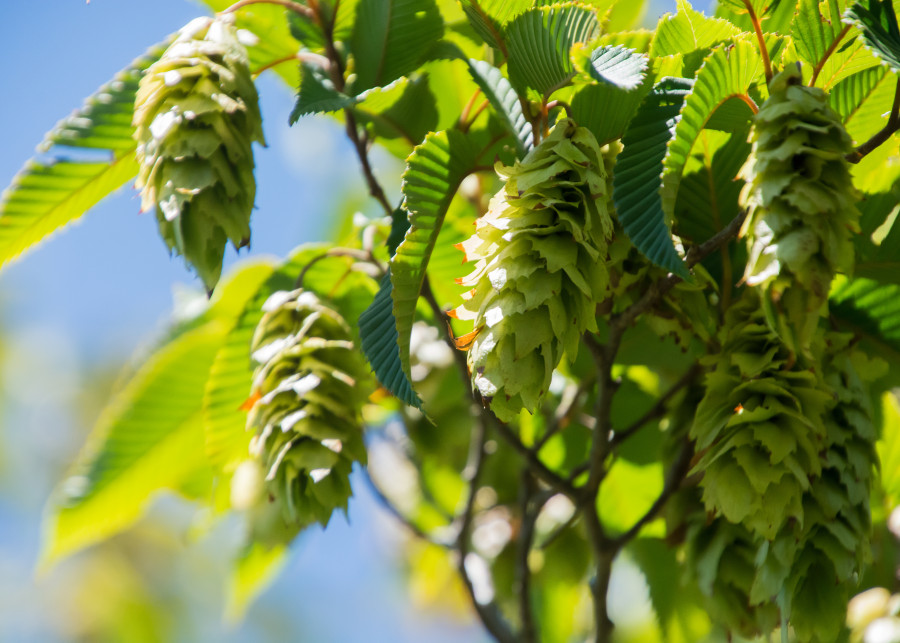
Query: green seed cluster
<point x="802" y="205"/>
<point x="196" y="114"/>
<point x="306" y="407"/>
<point x="540" y="254"/>
<point x="787" y="465"/>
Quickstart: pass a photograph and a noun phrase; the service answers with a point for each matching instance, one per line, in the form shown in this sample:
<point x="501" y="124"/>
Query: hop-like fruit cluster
<point x="196" y="114"/>
<point x="786" y="480"/>
<point x="306" y="401"/>
<point x="802" y="205"/>
<point x="540" y="254"/>
<point x="760" y="426"/>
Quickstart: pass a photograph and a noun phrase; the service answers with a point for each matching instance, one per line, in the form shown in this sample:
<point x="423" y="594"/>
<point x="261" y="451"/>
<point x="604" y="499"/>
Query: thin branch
<point x="658" y="409"/>
<point x="489" y="612"/>
<point x="599" y="585"/>
<point x="694" y="256"/>
<point x="275" y="63"/>
<point x="882" y="135"/>
<point x="828" y="52"/>
<point x="353" y="253"/>
<point x="538" y="468"/>
<point x="530" y="510"/>
<point x="474" y="116"/>
<point x="553" y="104"/>
<point x="674" y="478"/>
<point x="763" y="50"/>
<point x="402" y="518"/>
<point x="296" y="7"/>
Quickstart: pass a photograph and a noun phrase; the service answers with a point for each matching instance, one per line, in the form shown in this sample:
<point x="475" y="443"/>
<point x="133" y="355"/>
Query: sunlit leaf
<point x="489" y="17"/>
<point x="539" y="42"/>
<point x="689" y="30"/>
<point x="497" y="89"/>
<point x="46" y="196"/>
<point x="728" y="72"/>
<point x="617" y="66"/>
<point x="433" y="173"/>
<point x="317" y="94"/>
<point x="392" y="38"/>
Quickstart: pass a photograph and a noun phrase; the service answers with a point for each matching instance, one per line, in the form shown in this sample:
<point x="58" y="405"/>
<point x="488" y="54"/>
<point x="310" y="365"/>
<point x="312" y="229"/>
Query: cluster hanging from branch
<point x="625" y="390"/>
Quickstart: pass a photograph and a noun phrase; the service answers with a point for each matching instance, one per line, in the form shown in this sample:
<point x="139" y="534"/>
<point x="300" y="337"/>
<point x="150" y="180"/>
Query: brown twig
<point x="530" y="509"/>
<point x="296" y="7"/>
<point x="882" y="135"/>
<point x="538" y="468"/>
<point x="763" y="50"/>
<point x="674" y="477"/>
<point x="402" y="518"/>
<point x="658" y="409"/>
<point x="828" y="52"/>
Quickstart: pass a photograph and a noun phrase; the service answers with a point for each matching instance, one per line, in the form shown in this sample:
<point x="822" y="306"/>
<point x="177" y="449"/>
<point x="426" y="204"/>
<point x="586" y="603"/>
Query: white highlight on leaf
<point x="318" y="475"/>
<point x="247" y="38"/>
<point x="170" y="208"/>
<point x="486" y="387"/>
<point x="483" y="346"/>
<point x="333" y="444"/>
<point x="288" y="422"/>
<point x="306" y="384"/>
<point x="172" y="77"/>
<point x="480" y="574"/>
<point x="493" y="316"/>
<point x="163" y="123"/>
<point x="497" y="277"/>
<point x="276" y="300"/>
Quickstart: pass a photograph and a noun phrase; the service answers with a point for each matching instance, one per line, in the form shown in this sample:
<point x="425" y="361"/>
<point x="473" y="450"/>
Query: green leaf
<point x="251" y="574"/>
<point x="616" y="66"/>
<point x="408" y="111"/>
<point x="688" y="31"/>
<point x="605" y="110"/>
<point x="433" y="173"/>
<point x="708" y="196"/>
<point x="862" y="100"/>
<point x="816" y="28"/>
<point x="880" y="33"/>
<point x="638" y="169"/>
<point x="627" y="492"/>
<point x="728" y="72"/>
<point x="889" y="447"/>
<point x="505" y="101"/>
<point x="539" y="42"/>
<point x="378" y="330"/>
<point x="317" y="94"/>
<point x="44" y="197"/>
<point x="489" y="17"/>
<point x="832" y="50"/>
<point x="392" y="38"/>
<point x="150" y="436"/>
<point x="869" y="308"/>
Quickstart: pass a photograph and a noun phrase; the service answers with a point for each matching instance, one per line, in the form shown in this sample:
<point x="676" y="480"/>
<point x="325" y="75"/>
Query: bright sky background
<point x="91" y="294"/>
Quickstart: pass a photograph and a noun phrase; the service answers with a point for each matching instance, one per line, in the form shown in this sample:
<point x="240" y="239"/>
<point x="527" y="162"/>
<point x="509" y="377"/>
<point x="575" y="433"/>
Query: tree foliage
<point x="674" y="340"/>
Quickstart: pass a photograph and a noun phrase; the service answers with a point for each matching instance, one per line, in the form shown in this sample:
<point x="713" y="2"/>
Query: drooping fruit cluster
<point x="540" y="254"/>
<point x="760" y="426"/>
<point x="306" y="403"/>
<point x="196" y="114"/>
<point x="787" y="472"/>
<point x="802" y="205"/>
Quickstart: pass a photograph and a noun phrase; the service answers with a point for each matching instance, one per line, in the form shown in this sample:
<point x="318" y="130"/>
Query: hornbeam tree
<point x="639" y="300"/>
